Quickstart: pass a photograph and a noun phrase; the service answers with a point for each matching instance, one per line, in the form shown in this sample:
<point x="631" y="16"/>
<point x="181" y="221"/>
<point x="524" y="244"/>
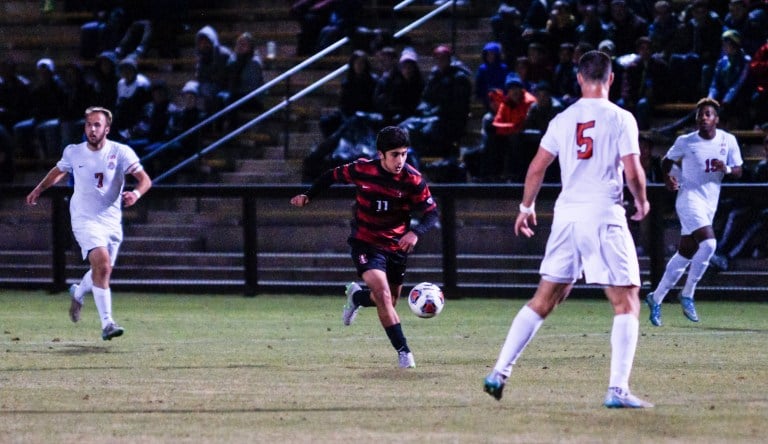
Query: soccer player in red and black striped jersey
<point x="389" y="193"/>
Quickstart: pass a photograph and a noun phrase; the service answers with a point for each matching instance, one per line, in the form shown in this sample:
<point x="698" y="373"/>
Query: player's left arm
<point x="635" y="176"/>
<point x="144" y="183"/>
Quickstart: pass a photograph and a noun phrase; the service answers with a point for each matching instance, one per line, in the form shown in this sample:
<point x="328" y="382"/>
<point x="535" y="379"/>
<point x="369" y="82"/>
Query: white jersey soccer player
<point x="98" y="168"/>
<point x="699" y="191"/>
<point x="597" y="145"/>
<point x="703" y="158"/>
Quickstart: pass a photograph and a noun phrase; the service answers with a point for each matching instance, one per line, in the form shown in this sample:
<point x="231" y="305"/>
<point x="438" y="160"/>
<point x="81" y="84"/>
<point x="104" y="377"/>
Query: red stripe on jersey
<point x="384" y="201"/>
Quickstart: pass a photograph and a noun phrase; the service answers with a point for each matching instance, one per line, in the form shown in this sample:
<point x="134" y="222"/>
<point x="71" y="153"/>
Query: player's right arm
<point x="533" y="180"/>
<point x="323" y="182"/>
<point x="50" y="179"/>
<point x="635" y="176"/>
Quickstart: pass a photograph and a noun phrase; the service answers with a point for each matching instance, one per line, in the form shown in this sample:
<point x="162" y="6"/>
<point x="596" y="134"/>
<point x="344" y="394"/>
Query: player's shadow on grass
<point x="79" y="350"/>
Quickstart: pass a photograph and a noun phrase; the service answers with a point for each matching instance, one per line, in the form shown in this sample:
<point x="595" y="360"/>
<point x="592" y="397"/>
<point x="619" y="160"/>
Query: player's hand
<point x="718" y="165"/>
<point x="641" y="210"/>
<point x="299" y="200"/>
<point x="408" y="242"/>
<point x="671" y="183"/>
<point x="521" y="224"/>
<point x="32" y="197"/>
<point x="129" y="198"/>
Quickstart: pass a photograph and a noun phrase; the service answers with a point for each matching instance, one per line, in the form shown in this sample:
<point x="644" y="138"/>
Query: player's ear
<point x="106" y="130"/>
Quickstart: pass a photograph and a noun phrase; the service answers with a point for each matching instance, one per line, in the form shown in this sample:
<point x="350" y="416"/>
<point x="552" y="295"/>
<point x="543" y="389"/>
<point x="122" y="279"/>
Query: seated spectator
<point x="104" y="33"/>
<point x="591" y="30"/>
<point x="152" y="129"/>
<point x="103" y="79"/>
<point x="746" y="231"/>
<point x="522" y="69"/>
<point x="663" y="29"/>
<point x="564" y="85"/>
<point x="507" y="29"/>
<point x="313" y="16"/>
<point x="490" y="74"/>
<point x="501" y="156"/>
<point x="644" y="83"/>
<point x="356" y="95"/>
<point x="156" y="28"/>
<point x="651" y="162"/>
<point x="758" y="71"/>
<point x="539" y="64"/>
<point x="539" y="115"/>
<point x="14" y="93"/>
<point x="244" y="75"/>
<point x="399" y="91"/>
<point x="444" y="108"/>
<point x="625" y="27"/>
<point x="561" y="28"/>
<point x="694" y="53"/>
<point x="342" y="22"/>
<point x="609" y="48"/>
<point x="132" y="95"/>
<point x="211" y="60"/>
<point x="78" y="95"/>
<point x="38" y="136"/>
<point x="730" y="84"/>
<point x="752" y="24"/>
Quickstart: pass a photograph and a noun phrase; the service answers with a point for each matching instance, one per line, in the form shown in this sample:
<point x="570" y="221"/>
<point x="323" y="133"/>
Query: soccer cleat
<point x="349" y="313"/>
<point x="405" y="360"/>
<point x="617" y="398"/>
<point x="111" y="331"/>
<point x="655" y="316"/>
<point x="494" y="384"/>
<point x="689" y="310"/>
<point x="75" y="306"/>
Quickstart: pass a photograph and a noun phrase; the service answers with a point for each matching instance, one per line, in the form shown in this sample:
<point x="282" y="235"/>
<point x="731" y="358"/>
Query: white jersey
<point x="99" y="177"/>
<point x="589" y="138"/>
<point x="699" y="183"/>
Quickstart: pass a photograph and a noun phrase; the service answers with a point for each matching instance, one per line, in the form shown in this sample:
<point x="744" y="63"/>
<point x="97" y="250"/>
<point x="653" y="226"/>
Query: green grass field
<point x="284" y="369"/>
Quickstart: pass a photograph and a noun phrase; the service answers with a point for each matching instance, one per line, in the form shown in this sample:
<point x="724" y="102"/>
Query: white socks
<point x="699" y="265"/>
<point x="103" y="299"/>
<point x="85" y="285"/>
<point x="623" y="345"/>
<point x="675" y="269"/>
<point x="522" y="330"/>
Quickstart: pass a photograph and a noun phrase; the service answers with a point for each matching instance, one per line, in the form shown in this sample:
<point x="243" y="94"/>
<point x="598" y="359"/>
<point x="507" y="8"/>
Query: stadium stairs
<point x="195" y="244"/>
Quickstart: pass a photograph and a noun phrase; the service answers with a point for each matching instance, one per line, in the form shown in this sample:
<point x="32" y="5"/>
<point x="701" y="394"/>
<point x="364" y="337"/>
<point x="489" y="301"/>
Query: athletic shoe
<point x="655" y="316"/>
<point x="405" y="360"/>
<point x="75" y="306"/>
<point x="494" y="384"/>
<point x="617" y="398"/>
<point x="350" y="309"/>
<point x="111" y="331"/>
<point x="689" y="310"/>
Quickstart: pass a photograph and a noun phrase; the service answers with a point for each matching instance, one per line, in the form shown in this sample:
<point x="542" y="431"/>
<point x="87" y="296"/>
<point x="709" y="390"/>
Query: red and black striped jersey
<point x="384" y="201"/>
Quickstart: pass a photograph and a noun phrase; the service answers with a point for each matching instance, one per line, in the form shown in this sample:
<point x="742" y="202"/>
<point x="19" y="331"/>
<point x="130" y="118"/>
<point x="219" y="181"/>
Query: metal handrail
<point x="284" y="103"/>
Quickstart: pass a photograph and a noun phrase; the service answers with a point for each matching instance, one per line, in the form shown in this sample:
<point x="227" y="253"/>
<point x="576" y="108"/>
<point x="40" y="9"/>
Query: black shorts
<point x="367" y="257"/>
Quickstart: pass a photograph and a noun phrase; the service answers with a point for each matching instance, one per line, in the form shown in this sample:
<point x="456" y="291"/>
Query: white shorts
<point x="92" y="235"/>
<point x="692" y="216"/>
<point x="605" y="253"/>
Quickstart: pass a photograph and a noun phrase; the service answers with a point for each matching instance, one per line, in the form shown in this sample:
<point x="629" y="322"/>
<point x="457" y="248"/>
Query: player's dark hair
<point x="392" y="137"/>
<point x="706" y="101"/>
<point x="595" y="66"/>
<point x="97" y="109"/>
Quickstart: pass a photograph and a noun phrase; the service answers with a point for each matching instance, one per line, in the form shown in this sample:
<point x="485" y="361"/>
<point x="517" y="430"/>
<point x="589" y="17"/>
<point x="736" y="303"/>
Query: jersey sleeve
<point x="629" y="142"/>
<point x="65" y="163"/>
<point x="131" y="163"/>
<point x="734" y="153"/>
<point x="675" y="152"/>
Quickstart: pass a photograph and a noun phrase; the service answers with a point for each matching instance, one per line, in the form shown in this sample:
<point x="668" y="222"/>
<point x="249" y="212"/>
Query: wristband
<point x="137" y="193"/>
<point x="527" y="210"/>
<point x="728" y="169"/>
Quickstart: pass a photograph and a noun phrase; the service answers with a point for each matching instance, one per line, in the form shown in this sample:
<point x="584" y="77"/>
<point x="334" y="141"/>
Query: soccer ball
<point x="426" y="300"/>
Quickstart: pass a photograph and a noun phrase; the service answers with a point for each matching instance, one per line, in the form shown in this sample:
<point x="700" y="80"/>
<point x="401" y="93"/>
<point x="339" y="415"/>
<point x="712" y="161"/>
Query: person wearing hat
<point x="37" y="136"/>
<point x="508" y="122"/>
<point x="490" y="74"/>
<point x="398" y="91"/>
<point x="730" y="85"/>
<point x="443" y="109"/>
<point x="132" y="95"/>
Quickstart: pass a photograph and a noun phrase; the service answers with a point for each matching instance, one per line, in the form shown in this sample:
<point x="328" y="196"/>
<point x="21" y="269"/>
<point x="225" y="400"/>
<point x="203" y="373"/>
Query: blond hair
<point x="98" y="109"/>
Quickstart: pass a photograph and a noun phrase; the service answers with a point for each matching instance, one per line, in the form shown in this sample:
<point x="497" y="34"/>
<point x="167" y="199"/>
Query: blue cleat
<point x="655" y="316"/>
<point x="689" y="310"/>
<point x="111" y="331"/>
<point x="494" y="384"/>
<point x="617" y="398"/>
